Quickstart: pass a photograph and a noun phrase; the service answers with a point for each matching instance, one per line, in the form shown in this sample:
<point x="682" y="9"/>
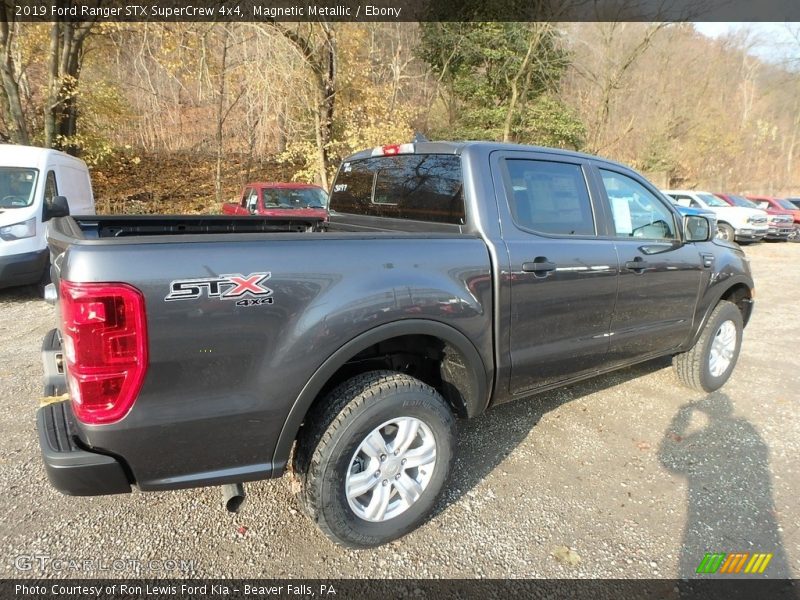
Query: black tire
<point x="334" y="430"/>
<point x="693" y="366"/>
<point x="43" y="281"/>
<point x="726" y="232"/>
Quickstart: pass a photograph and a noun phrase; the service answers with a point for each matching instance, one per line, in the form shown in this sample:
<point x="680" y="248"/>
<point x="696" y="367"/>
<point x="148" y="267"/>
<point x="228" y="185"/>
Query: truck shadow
<point x="485" y="442"/>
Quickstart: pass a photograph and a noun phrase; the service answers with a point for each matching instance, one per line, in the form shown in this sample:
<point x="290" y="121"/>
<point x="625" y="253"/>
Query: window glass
<point x="294" y="198"/>
<point x="712" y="200"/>
<point x="50" y="187"/>
<point x="250" y="199"/>
<point x="420" y="187"/>
<point x="17" y="187"/>
<point x="637" y="212"/>
<point x="739" y="201"/>
<point x="550" y="197"/>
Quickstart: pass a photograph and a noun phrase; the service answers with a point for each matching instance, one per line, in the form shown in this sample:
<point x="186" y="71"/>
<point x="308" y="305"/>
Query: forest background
<point x="176" y="117"/>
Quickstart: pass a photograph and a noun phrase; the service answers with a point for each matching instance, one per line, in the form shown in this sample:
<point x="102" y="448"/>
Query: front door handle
<point x="637" y="265"/>
<point x="539" y="265"/>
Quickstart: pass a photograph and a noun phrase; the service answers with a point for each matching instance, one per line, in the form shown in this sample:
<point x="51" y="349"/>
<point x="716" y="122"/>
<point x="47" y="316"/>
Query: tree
<point x="13" y="112"/>
<point x="500" y="80"/>
<point x="316" y="43"/>
<point x="65" y="60"/>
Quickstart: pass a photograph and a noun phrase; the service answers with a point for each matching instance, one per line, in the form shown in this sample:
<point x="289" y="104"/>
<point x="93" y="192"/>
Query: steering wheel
<point x="13" y="201"/>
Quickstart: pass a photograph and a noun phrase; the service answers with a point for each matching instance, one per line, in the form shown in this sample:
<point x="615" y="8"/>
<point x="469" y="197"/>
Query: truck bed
<point x="106" y="226"/>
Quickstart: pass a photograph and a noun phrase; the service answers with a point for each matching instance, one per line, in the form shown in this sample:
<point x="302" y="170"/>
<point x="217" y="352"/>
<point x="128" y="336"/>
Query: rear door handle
<point x="539" y="265"/>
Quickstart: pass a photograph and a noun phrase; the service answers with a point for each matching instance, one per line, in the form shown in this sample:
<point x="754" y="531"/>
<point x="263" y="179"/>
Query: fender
<point x="715" y="296"/>
<point x="481" y="378"/>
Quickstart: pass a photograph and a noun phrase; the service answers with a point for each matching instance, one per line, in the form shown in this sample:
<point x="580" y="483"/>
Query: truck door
<point x="659" y="274"/>
<point x="562" y="281"/>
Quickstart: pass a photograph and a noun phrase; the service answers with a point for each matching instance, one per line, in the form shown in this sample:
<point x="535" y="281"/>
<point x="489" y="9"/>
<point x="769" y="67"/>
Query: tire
<point x="696" y="368"/>
<point x="43" y="281"/>
<point x="726" y="232"/>
<point x="330" y="454"/>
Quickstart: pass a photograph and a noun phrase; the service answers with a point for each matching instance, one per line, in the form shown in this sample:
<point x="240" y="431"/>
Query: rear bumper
<point x="22" y="269"/>
<point x="71" y="469"/>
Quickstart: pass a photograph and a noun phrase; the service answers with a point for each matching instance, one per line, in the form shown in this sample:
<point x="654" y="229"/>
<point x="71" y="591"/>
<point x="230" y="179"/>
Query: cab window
<point x="637" y="212"/>
<point x="549" y="197"/>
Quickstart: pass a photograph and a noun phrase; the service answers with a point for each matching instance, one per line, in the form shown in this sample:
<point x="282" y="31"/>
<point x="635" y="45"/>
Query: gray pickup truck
<point x="451" y="277"/>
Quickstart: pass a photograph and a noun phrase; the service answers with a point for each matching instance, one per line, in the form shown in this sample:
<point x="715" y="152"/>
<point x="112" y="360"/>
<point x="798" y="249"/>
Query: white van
<point x="35" y="185"/>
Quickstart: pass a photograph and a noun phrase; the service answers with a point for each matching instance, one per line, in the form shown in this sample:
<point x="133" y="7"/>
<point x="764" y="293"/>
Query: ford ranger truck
<point x="450" y="278"/>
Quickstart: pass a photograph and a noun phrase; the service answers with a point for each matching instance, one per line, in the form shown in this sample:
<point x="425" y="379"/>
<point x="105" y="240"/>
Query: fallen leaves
<point x="52" y="399"/>
<point x="566" y="555"/>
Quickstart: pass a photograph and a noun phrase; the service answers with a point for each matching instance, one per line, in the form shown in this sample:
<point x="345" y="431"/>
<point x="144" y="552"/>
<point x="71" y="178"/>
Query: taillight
<point x="393" y="149"/>
<point x="105" y="348"/>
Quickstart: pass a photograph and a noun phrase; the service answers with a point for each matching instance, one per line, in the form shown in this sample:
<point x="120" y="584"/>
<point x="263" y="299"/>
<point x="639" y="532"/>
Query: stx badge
<point x="247" y="290"/>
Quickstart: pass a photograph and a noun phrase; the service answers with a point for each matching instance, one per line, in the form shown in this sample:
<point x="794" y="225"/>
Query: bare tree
<point x="65" y="60"/>
<point x="13" y="112"/>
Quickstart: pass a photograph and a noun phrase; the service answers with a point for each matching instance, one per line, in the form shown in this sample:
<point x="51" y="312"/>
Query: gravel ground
<point x="628" y="475"/>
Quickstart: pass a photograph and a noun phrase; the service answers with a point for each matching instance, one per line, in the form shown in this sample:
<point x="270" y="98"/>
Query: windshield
<point x="17" y="186"/>
<point x="712" y="200"/>
<point x="784" y="203"/>
<point x="288" y="198"/>
<point x="743" y="202"/>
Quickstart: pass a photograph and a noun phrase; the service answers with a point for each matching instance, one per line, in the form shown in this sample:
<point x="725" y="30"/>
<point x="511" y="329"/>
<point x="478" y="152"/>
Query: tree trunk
<point x="327" y="70"/>
<point x="523" y="68"/>
<point x="52" y="87"/>
<point x="15" y="116"/>
<point x="64" y="67"/>
<point x="221" y="116"/>
<point x="322" y="62"/>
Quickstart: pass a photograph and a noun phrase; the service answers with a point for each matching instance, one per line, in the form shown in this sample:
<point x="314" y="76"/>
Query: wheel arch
<point x="740" y="292"/>
<point x="464" y="374"/>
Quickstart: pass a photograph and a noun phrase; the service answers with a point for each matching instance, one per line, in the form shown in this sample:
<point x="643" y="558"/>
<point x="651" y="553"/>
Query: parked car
<point x="36" y="184"/>
<point x="771" y="203"/>
<point x="734" y="223"/>
<point x="451" y="277"/>
<point x="280" y="199"/>
<point x="781" y="222"/>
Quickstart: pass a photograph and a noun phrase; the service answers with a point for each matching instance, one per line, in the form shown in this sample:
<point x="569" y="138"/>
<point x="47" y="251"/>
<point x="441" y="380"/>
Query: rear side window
<point x="550" y="197"/>
<point x="419" y="187"/>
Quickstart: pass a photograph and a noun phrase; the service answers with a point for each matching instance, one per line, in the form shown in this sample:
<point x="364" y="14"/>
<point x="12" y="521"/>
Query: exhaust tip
<point x="233" y="495"/>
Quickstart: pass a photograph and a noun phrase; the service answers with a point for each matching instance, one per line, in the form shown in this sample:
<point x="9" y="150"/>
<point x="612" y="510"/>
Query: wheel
<point x="373" y="456"/>
<point x="708" y="364"/>
<point x="726" y="232"/>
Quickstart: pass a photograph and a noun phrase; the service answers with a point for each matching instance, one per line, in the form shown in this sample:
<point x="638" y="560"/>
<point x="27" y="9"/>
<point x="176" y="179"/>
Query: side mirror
<point x="57" y="207"/>
<point x="697" y="228"/>
<point x="251" y="204"/>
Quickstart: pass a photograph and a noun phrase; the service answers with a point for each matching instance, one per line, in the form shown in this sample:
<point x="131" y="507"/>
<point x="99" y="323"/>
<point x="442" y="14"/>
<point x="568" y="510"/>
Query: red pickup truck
<point x="280" y="199"/>
<point x="778" y="206"/>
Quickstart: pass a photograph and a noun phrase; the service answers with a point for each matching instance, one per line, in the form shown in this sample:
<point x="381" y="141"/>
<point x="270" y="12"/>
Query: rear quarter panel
<point x="222" y="378"/>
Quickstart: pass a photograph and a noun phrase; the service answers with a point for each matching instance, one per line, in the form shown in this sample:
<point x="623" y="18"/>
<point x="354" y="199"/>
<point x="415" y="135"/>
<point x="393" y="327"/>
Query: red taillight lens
<point x="105" y="347"/>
